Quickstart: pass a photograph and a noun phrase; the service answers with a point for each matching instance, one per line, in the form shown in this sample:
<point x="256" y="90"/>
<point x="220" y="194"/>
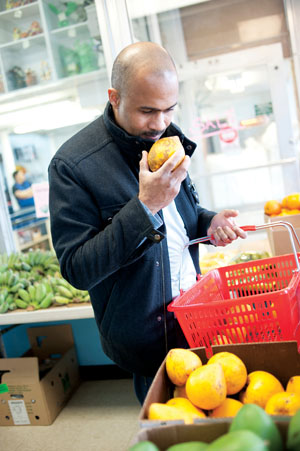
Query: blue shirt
<point x="23" y="202"/>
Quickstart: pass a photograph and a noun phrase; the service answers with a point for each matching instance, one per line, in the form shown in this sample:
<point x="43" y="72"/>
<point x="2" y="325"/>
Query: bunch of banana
<point x="64" y="292"/>
<point x="7" y="302"/>
<point x="37" y="296"/>
<point x="40" y="262"/>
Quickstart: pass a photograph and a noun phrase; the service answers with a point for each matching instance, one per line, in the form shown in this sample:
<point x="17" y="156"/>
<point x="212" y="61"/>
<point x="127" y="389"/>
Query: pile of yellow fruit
<point x="220" y="388"/>
<point x="290" y="205"/>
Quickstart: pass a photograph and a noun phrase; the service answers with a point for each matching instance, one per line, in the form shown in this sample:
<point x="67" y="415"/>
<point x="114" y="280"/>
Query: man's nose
<point x="158" y="121"/>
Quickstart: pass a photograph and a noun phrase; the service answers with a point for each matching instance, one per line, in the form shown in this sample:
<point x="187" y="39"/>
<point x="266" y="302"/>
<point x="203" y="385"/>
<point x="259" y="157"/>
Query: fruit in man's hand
<point x="162" y="150"/>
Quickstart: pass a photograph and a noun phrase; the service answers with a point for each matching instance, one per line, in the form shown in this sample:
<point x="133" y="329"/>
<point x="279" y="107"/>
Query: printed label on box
<point x="18" y="412"/>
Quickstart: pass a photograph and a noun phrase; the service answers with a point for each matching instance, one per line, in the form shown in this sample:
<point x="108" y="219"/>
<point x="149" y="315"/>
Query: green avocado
<point x="253" y="418"/>
<point x="188" y="446"/>
<point x="238" y="441"/>
<point x="293" y="435"/>
<point x="145" y="445"/>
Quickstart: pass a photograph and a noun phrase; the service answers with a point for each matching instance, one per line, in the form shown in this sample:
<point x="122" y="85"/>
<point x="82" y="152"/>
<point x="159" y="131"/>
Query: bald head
<point x="140" y="60"/>
<point x="144" y="90"/>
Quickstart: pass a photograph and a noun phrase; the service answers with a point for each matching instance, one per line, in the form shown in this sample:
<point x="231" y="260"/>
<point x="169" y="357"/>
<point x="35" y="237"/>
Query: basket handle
<point x="252" y="228"/>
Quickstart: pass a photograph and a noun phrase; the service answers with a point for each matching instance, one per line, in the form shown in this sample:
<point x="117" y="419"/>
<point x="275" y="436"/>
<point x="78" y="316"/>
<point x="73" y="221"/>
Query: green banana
<point x="31" y="291"/>
<point x="20" y="303"/>
<point x="61" y="299"/>
<point x="25" y="266"/>
<point x="16" y="287"/>
<point x="47" y="301"/>
<point x="12" y="306"/>
<point x="24" y="295"/>
<point x="4" y="307"/>
<point x="3" y="267"/>
<point x="40" y="292"/>
<point x="64" y="291"/>
<point x="61" y="281"/>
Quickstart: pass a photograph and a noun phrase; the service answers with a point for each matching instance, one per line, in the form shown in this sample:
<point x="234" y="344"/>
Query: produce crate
<point x="278" y="358"/>
<point x="35" y="387"/>
<point x="205" y="432"/>
<point x="279" y="239"/>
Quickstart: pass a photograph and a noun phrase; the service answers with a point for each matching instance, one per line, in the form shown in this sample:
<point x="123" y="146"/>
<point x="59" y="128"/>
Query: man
<point x="22" y="189"/>
<point x="118" y="229"/>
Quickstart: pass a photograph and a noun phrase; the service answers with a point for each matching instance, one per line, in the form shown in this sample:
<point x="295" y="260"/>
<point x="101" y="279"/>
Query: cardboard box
<point x="279" y="358"/>
<point x="167" y="436"/>
<point x="35" y="387"/>
<point x="279" y="238"/>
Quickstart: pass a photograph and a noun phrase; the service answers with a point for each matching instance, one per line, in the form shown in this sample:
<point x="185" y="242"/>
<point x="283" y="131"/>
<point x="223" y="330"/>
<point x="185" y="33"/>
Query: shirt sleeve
<point x="155" y="219"/>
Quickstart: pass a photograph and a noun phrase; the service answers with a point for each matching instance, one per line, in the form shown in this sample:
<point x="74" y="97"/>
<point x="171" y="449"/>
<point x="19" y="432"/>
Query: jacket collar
<point x="135" y="144"/>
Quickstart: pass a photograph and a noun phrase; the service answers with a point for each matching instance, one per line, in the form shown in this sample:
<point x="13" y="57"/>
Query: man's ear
<point x="114" y="97"/>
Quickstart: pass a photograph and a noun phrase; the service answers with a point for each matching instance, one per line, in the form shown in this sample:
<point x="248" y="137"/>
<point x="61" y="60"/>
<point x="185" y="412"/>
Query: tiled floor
<point x="101" y="416"/>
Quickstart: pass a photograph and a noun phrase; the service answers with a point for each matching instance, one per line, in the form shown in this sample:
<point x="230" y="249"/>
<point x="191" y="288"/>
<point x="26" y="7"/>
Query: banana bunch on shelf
<point x="65" y="293"/>
<point x="36" y="264"/>
<point x="33" y="281"/>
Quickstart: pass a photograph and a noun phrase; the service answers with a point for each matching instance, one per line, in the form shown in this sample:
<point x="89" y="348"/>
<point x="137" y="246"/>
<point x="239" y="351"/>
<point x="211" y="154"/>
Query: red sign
<point x="228" y="135"/>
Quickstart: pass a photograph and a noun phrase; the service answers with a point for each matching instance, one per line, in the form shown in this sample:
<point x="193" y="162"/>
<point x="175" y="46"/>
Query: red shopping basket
<point x="257" y="301"/>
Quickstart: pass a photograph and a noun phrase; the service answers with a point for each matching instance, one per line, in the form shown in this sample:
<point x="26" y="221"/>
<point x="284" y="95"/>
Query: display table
<point x="47" y="315"/>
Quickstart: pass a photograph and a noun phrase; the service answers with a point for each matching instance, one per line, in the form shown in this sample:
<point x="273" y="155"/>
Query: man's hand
<point x="158" y="189"/>
<point x="224" y="228"/>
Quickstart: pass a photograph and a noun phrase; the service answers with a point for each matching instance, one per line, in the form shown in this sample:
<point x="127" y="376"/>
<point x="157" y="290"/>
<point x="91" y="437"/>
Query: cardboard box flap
<point x="50" y="341"/>
<point x="12" y="370"/>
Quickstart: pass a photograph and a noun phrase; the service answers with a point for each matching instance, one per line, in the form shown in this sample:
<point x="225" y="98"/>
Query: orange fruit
<point x="260" y="386"/>
<point x="206" y="386"/>
<point x="272" y="207"/>
<point x="160" y="411"/>
<point x="162" y="149"/>
<point x="228" y="408"/>
<point x="187" y="407"/>
<point x="179" y="392"/>
<point x="283" y="403"/>
<point x="293" y="385"/>
<point x="291" y="201"/>
<point x="235" y="371"/>
<point x="180" y="363"/>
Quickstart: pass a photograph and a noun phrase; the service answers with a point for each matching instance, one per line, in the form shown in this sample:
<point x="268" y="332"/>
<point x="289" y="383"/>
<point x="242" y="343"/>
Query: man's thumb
<point x="230" y="213"/>
<point x="144" y="160"/>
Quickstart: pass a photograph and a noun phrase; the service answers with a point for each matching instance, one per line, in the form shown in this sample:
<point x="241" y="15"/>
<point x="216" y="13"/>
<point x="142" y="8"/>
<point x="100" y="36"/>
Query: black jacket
<point x="97" y="224"/>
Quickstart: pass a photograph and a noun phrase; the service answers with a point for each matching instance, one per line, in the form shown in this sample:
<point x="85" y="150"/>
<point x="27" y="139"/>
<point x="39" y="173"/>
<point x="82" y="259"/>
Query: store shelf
<point x="47" y="315"/>
<point x="36" y="48"/>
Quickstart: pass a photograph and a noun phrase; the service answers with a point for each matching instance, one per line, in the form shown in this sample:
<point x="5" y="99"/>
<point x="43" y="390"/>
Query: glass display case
<point x="44" y="41"/>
